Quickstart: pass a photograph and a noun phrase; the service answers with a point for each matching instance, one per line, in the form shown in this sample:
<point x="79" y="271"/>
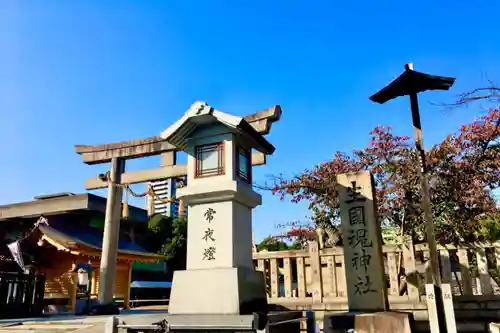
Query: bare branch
<point x="489" y="93"/>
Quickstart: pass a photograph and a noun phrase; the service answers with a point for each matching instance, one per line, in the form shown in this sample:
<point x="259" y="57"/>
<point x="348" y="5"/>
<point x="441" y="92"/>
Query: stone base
<point x="218" y="291"/>
<point x="376" y="322"/>
<point x="494" y="328"/>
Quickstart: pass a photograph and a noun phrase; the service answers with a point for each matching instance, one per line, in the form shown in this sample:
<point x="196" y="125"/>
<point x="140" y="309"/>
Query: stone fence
<point x="315" y="279"/>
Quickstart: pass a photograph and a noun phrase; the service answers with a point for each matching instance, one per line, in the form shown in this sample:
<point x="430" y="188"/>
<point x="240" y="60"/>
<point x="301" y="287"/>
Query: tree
<point x="159" y="230"/>
<point x="168" y="237"/>
<point x="464" y="170"/>
<point x="273" y="243"/>
<point x="300" y="235"/>
<point x="175" y="248"/>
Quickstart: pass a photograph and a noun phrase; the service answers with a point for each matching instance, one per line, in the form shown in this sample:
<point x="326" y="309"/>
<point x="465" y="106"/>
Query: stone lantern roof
<point x="201" y="114"/>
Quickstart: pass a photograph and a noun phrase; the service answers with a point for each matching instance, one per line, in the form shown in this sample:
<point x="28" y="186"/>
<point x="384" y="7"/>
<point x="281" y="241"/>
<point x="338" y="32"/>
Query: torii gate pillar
<point x="220" y="277"/>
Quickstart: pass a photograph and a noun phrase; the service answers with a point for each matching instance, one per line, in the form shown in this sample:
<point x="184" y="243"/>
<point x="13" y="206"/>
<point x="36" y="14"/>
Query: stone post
<point x="168" y="158"/>
<point x="111" y="233"/>
<point x="364" y="265"/>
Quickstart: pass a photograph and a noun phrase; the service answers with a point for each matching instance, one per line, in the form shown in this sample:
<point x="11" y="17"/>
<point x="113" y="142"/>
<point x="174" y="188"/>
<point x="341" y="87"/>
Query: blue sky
<point x="94" y="71"/>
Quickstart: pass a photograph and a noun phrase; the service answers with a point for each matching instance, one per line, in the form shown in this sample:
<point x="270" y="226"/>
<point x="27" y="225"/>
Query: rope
<point x="150" y="191"/>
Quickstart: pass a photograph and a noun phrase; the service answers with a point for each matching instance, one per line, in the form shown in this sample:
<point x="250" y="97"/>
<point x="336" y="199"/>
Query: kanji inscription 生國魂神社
<point x="354" y="194"/>
<point x="363" y="249"/>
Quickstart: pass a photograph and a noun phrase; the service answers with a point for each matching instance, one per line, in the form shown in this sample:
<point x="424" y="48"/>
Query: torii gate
<point x="117" y="153"/>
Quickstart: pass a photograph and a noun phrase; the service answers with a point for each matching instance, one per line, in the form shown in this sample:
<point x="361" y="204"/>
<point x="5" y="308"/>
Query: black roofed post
<point x="410" y="83"/>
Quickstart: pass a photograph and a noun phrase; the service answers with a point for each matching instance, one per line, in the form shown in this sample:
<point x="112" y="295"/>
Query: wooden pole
<point x="126" y="298"/>
<point x="73" y="292"/>
<point x="93" y="284"/>
<point x="433" y="268"/>
<point x="73" y="288"/>
<point x="111" y="233"/>
<point x="424" y="188"/>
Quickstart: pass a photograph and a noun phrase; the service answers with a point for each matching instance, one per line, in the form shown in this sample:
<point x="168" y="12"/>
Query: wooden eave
<point x="80" y="248"/>
<point x="152" y="258"/>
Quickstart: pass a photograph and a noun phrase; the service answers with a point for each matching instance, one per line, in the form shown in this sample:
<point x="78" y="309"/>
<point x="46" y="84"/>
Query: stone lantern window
<point x="244" y="165"/>
<point x="209" y="160"/>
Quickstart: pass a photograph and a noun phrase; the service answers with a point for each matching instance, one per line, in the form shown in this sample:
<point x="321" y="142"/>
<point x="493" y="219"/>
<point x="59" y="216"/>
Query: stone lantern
<point x="220" y="277"/>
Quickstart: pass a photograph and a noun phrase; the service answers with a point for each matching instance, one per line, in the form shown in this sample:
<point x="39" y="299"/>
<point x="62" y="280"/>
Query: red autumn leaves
<point x="464" y="169"/>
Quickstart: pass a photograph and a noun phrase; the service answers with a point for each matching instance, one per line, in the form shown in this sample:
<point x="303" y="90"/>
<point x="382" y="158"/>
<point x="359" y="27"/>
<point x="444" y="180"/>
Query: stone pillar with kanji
<point x="364" y="261"/>
<point x="220" y="277"/>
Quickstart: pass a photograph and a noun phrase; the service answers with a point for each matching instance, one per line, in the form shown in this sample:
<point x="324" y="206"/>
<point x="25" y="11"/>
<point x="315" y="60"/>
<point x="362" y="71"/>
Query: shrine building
<point x="72" y="236"/>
